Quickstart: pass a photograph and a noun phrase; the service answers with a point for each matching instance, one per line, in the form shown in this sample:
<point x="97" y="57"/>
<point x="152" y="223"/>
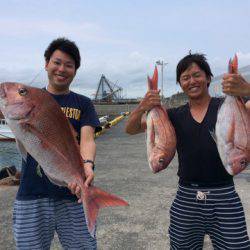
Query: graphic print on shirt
<point x="72" y="113"/>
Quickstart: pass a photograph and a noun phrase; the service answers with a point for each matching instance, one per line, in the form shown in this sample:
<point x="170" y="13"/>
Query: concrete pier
<point x="112" y="109"/>
<point x="122" y="168"/>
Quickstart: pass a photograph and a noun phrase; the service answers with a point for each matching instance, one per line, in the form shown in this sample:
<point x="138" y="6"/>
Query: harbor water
<point x="9" y="155"/>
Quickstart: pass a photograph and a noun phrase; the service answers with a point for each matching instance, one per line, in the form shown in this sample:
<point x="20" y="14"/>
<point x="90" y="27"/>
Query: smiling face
<point x="194" y="82"/>
<point x="61" y="71"/>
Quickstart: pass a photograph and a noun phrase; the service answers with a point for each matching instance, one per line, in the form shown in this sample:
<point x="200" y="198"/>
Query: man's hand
<point x="75" y="189"/>
<point x="150" y="100"/>
<point x="235" y="85"/>
<point x="89" y="173"/>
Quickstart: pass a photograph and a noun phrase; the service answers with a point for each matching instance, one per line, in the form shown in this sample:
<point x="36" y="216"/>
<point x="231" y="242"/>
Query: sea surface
<point x="9" y="155"/>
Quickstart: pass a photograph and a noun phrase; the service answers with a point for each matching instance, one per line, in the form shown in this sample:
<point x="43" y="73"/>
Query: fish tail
<point x="233" y="65"/>
<point x="150" y="84"/>
<point x="155" y="79"/>
<point x="153" y="82"/>
<point x="93" y="199"/>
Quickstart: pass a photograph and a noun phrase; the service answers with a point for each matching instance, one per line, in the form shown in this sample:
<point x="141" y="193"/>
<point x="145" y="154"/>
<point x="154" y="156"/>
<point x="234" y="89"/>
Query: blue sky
<point x="122" y="39"/>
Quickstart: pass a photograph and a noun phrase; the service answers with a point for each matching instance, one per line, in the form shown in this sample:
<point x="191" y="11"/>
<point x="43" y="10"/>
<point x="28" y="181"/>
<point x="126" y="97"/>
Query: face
<point x="194" y="82"/>
<point x="61" y="71"/>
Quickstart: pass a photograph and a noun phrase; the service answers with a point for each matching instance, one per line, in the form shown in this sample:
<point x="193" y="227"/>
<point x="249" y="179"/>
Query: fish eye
<point x="22" y="91"/>
<point x="161" y="160"/>
<point x="243" y="163"/>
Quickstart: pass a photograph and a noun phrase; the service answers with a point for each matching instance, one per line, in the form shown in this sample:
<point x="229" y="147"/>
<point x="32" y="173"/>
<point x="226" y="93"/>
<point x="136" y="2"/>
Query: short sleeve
<point x="88" y="115"/>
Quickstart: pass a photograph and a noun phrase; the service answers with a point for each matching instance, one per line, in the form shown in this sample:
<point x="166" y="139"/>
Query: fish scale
<point x="42" y="130"/>
<point x="233" y="130"/>
<point x="160" y="134"/>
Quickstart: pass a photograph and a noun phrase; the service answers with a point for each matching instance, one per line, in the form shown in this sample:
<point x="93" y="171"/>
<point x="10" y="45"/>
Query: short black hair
<point x="199" y="59"/>
<point x="66" y="46"/>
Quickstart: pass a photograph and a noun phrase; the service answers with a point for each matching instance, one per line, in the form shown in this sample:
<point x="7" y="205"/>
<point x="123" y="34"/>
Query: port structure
<point x="107" y="92"/>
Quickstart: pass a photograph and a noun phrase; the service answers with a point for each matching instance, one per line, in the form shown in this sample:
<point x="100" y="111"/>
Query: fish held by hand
<point x="233" y="130"/>
<point x="160" y="133"/>
<point x="42" y="130"/>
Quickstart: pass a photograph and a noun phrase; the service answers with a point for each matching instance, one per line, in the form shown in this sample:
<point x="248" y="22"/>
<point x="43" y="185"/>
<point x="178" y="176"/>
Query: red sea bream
<point x="160" y="134"/>
<point x="42" y="130"/>
<point x="233" y="131"/>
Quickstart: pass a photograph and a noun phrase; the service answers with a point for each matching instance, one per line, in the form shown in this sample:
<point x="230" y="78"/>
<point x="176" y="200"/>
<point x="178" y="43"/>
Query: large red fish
<point x="161" y="138"/>
<point x="42" y="130"/>
<point x="233" y="130"/>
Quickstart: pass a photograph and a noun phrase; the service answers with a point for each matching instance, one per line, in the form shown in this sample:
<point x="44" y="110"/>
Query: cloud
<point x="244" y="58"/>
<point x="81" y="31"/>
<point x="129" y="72"/>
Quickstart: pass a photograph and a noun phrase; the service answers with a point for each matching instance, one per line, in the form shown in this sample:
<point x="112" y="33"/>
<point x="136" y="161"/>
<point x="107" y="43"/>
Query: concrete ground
<point x="122" y="168"/>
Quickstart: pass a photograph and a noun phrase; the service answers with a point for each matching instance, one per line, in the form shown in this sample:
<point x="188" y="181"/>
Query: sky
<point x="122" y="39"/>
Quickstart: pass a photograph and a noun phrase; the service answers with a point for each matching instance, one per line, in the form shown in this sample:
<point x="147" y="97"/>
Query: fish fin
<point x="155" y="79"/>
<point x="47" y="144"/>
<point x="38" y="171"/>
<point x="21" y="150"/>
<point x="93" y="199"/>
<point x="212" y="133"/>
<point x="43" y="140"/>
<point x="150" y="84"/>
<point x="233" y="65"/>
<point x="153" y="82"/>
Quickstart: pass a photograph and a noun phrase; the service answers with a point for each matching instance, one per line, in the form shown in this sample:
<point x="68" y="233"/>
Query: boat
<point x="5" y="132"/>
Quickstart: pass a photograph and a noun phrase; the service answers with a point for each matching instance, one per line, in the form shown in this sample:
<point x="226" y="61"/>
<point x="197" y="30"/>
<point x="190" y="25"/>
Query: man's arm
<point x="134" y="124"/>
<point x="88" y="151"/>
